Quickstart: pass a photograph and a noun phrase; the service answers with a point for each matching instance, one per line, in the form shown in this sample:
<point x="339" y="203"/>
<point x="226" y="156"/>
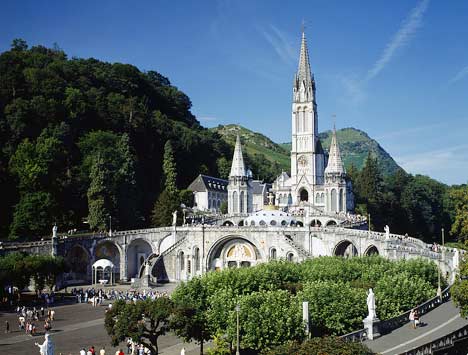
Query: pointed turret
<point x="238" y="167"/>
<point x="240" y="184"/>
<point x="335" y="164"/>
<point x="303" y="71"/>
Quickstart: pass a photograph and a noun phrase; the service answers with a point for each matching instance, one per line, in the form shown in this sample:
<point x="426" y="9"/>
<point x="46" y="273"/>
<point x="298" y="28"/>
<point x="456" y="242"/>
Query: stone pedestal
<point x="372" y="328"/>
<point x="145" y="281"/>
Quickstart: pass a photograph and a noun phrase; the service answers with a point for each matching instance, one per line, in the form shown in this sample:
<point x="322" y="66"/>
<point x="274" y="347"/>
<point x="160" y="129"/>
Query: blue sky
<point x="395" y="69"/>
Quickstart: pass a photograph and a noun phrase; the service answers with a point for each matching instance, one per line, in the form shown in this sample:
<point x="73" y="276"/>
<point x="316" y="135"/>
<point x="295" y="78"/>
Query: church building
<point x="317" y="181"/>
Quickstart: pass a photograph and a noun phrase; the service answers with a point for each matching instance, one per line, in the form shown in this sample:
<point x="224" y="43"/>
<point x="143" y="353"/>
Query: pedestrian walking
<point x="102" y="351"/>
<point x="7" y="327"/>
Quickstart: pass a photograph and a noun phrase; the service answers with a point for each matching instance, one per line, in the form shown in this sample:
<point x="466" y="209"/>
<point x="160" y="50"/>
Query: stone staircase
<point x="298" y="248"/>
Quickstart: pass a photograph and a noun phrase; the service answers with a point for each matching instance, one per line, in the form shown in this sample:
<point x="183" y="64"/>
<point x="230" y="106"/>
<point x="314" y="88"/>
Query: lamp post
<point x="110" y="226"/>
<point x="237" y="315"/>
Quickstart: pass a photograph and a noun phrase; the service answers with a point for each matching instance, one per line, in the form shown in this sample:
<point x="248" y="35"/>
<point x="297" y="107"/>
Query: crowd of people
<point x="28" y="318"/>
<point x="98" y="296"/>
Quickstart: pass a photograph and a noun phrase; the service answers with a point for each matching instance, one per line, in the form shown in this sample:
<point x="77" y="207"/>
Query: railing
<point x="388" y="325"/>
<point x="297" y="247"/>
<point x="443" y="343"/>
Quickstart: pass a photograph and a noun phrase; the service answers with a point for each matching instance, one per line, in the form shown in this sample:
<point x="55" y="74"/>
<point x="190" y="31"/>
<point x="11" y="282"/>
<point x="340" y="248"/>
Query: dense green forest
<point x="75" y="132"/>
<point x="83" y="140"/>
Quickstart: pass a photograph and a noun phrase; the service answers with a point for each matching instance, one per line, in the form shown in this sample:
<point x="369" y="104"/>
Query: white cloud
<point x="279" y="42"/>
<point x="356" y="89"/>
<point x="459" y="76"/>
<point x="449" y="165"/>
<point x="400" y="39"/>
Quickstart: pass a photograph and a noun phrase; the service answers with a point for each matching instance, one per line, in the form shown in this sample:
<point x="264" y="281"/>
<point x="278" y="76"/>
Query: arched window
<point x="235" y="204"/>
<point x="322" y="198"/>
<point x="304" y="195"/>
<point x="252" y="223"/>
<point x="241" y="209"/>
<point x="333" y="200"/>
<point x="262" y="223"/>
<point x="340" y="206"/>
<point x="304" y="116"/>
<point x="181" y="261"/>
<point x="196" y="259"/>
<point x="290" y="257"/>
<point x="273" y="254"/>
<point x="273" y="223"/>
<point x="289" y="199"/>
<point x="317" y="198"/>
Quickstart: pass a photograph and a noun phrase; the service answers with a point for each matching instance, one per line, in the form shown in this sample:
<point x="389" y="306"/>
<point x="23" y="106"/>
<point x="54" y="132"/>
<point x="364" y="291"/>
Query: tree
<point x="224" y="207"/>
<point x="459" y="197"/>
<point x="224" y="167"/>
<point x="459" y="289"/>
<point x="189" y="317"/>
<point x="170" y="170"/>
<point x="165" y="205"/>
<point x="100" y="199"/>
<point x="321" y="346"/>
<point x="34" y="215"/>
<point x="143" y="321"/>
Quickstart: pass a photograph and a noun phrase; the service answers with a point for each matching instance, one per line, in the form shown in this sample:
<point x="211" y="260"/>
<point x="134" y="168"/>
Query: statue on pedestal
<point x="54" y="231"/>
<point x="174" y="218"/>
<point x="47" y="347"/>
<point x="387" y="231"/>
<point x="371" y="305"/>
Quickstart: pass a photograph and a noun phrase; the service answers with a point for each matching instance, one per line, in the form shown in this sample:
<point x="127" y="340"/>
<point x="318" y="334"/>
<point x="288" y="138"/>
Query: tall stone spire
<point x="238" y="167"/>
<point x="303" y="71"/>
<point x="335" y="164"/>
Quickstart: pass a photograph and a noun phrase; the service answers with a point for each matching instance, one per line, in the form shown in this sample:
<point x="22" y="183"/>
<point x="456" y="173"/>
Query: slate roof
<point x="204" y="182"/>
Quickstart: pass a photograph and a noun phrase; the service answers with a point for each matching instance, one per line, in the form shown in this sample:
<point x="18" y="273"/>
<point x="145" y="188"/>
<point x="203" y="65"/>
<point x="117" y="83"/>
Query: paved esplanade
<point x="437" y="323"/>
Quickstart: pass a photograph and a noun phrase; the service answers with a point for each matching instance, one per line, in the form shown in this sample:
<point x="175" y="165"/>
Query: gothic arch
<point x="221" y="245"/>
<point x="333" y="203"/>
<point x="108" y="249"/>
<point x="303" y="194"/>
<point x="137" y="252"/>
<point x="331" y="223"/>
<point x="273" y="253"/>
<point x="346" y="249"/>
<point x="241" y="202"/>
<point x="79" y="261"/>
<point x="371" y="250"/>
<point x="235" y="204"/>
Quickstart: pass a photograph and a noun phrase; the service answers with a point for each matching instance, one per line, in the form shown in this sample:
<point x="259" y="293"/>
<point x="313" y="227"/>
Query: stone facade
<point x="314" y="183"/>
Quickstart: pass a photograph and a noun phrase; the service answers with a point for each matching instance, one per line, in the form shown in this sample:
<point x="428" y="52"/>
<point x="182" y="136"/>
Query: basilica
<point x="317" y="183"/>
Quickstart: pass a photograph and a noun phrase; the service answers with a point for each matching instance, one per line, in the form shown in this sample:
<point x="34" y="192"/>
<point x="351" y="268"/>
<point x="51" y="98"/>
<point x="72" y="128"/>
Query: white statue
<point x="182" y="351"/>
<point x="147" y="269"/>
<point x="54" y="231"/>
<point x="46" y="348"/>
<point x="371" y="305"/>
<point x="174" y="218"/>
<point x="387" y="231"/>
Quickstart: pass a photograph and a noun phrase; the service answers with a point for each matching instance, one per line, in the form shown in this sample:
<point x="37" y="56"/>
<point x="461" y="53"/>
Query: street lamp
<point x="237" y="313"/>
<point x="110" y="226"/>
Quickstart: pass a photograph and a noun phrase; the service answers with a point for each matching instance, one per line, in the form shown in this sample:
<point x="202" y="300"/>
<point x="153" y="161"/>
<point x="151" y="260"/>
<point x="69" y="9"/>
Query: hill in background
<point x="354" y="145"/>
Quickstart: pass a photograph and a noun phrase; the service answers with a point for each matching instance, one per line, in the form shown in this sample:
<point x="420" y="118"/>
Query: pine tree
<point x="169" y="200"/>
<point x="169" y="168"/>
<point x="98" y="196"/>
<point x="127" y="194"/>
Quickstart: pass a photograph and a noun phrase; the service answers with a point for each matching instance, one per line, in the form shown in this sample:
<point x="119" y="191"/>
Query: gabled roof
<point x="259" y="187"/>
<point x="208" y="183"/>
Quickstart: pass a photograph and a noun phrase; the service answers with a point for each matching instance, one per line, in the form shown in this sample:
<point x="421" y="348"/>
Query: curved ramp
<point x="441" y="321"/>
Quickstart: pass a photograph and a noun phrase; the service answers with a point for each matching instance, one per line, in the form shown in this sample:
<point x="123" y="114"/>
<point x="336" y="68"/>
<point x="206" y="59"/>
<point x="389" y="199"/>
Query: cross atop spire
<point x="237" y="167"/>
